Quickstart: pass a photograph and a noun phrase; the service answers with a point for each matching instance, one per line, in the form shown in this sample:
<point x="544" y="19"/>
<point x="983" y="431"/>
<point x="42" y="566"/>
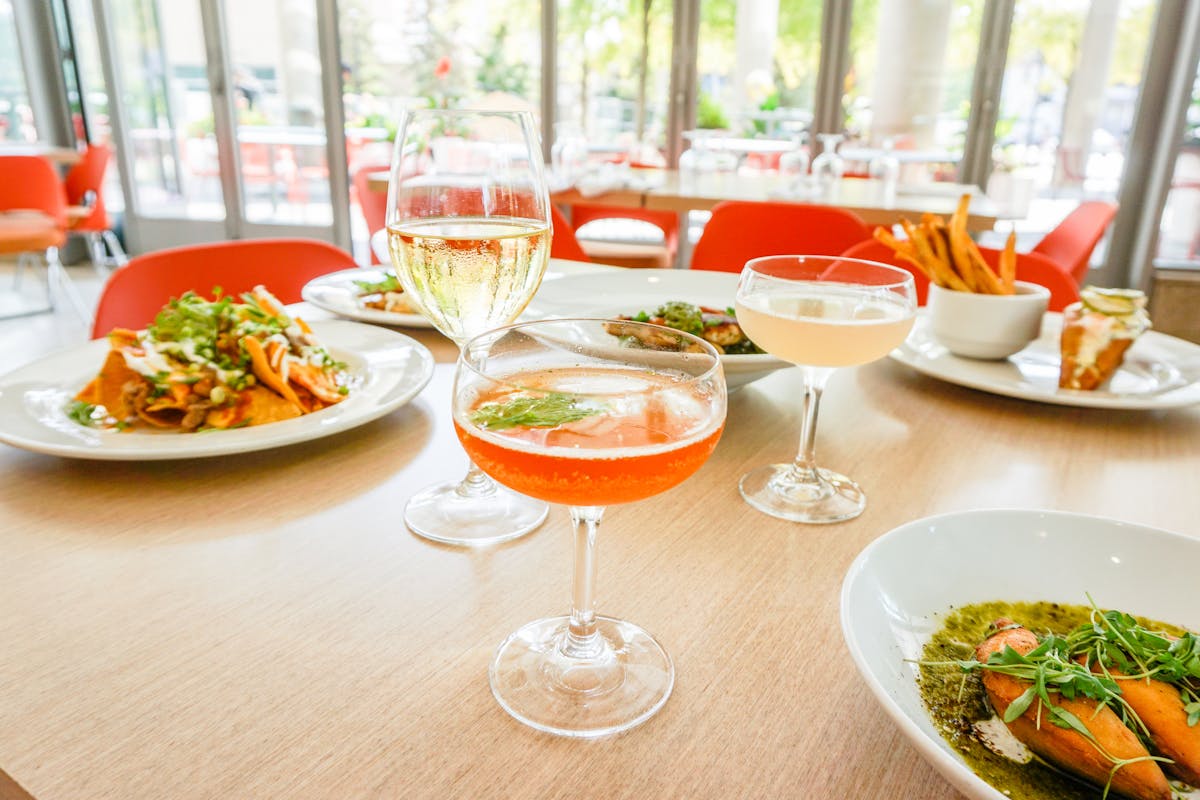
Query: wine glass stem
<point x="582" y="640"/>
<point x="804" y="467"/>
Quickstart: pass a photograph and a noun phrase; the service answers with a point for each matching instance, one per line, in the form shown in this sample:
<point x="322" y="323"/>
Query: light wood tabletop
<point x="63" y="156"/>
<point x="263" y="625"/>
<point x="870" y="199"/>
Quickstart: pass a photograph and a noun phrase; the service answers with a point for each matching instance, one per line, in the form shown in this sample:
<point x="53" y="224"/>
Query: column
<point x="909" y="70"/>
<point x="1085" y="95"/>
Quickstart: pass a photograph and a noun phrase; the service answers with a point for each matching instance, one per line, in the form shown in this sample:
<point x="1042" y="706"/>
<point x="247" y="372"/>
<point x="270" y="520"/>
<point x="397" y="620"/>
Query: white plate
<point x="630" y="291"/>
<point x="391" y="369"/>
<point x="1159" y="371"/>
<point x="337" y="293"/>
<point x="900" y="586"/>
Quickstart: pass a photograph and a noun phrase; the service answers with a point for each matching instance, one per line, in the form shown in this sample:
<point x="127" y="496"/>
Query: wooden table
<point x="264" y="626"/>
<point x="63" y="156"/>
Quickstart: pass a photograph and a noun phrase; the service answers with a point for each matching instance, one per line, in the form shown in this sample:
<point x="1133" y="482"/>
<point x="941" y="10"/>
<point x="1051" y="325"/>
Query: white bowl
<point x="900" y="586"/>
<point x="988" y="326"/>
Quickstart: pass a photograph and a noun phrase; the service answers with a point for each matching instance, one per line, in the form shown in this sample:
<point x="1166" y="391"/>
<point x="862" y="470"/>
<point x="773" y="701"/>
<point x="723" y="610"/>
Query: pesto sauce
<point x="955" y="705"/>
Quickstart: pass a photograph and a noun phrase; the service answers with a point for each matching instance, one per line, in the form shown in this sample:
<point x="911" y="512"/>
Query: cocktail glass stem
<point x="801" y="491"/>
<point x="804" y="467"/>
<point x="476" y="483"/>
<point x="582" y="639"/>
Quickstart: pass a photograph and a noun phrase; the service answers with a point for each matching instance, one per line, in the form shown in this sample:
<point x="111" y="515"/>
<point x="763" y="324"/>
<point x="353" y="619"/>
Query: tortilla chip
<point x="108" y="387"/>
<point x="257" y="405"/>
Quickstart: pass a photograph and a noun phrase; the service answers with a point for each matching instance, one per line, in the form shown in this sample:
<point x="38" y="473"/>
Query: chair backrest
<point x="740" y="231"/>
<point x="136" y="291"/>
<point x="1072" y="242"/>
<point x="563" y="243"/>
<point x="87" y="175"/>
<point x="372" y="202"/>
<point x="666" y="221"/>
<point x="1031" y="267"/>
<point x="31" y="182"/>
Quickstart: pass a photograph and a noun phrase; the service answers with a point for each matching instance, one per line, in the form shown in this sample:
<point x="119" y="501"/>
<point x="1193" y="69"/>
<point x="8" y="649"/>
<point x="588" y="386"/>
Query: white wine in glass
<point x="469" y="236"/>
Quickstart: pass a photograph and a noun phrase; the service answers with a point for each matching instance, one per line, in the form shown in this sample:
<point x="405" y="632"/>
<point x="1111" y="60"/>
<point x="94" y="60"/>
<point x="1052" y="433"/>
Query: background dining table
<point x="263" y="625"/>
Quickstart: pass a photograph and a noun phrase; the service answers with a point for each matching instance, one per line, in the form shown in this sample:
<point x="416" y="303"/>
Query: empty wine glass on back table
<point x="563" y="411"/>
<point x="820" y="313"/>
<point x="469" y="236"/>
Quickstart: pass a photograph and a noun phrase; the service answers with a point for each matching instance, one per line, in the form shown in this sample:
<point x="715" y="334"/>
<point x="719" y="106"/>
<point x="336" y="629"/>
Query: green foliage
<point x="709" y="113"/>
<point x="497" y="73"/>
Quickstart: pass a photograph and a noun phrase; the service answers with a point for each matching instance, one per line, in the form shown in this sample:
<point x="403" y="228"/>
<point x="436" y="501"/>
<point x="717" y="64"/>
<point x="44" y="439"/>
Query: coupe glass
<point x="819" y="313"/>
<point x="828" y="167"/>
<point x="569" y="412"/>
<point x="469" y="236"/>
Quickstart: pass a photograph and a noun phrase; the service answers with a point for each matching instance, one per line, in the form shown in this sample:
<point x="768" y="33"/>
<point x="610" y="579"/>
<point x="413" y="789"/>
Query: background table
<point x="264" y="626"/>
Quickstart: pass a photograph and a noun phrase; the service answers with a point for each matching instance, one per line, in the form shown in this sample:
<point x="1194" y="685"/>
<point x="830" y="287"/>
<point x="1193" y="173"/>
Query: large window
<point x="614" y="62"/>
<point x="16" y="116"/>
<point x="1070" y="91"/>
<point x="757" y="65"/>
<point x="912" y="63"/>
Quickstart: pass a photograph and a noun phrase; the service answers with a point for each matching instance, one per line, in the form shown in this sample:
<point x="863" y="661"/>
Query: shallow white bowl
<point x="900" y="586"/>
<point x="988" y="326"/>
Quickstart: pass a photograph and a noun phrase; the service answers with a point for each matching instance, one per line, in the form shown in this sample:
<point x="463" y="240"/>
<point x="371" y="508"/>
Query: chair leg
<point x="97" y="254"/>
<point x="119" y="258"/>
<point x="58" y="280"/>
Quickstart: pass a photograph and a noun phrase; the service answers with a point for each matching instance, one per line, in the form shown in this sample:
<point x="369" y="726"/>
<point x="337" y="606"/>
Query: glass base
<point x="774" y="490"/>
<point x="445" y="514"/>
<point x="622" y="685"/>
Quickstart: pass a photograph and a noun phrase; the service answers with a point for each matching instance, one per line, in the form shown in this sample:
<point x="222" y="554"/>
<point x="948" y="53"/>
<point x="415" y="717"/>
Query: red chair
<point x="85" y="191"/>
<point x="1072" y="242"/>
<point x="372" y="202"/>
<point x="563" y="243"/>
<point x="740" y="231"/>
<point x="1031" y="267"/>
<point x="33" y="220"/>
<point x="624" y="254"/>
<point x="135" y="292"/>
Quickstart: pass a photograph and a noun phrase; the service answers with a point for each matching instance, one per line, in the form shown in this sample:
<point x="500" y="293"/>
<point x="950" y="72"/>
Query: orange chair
<point x="563" y="243"/>
<point x="33" y="219"/>
<point x="740" y="231"/>
<point x="136" y="291"/>
<point x="85" y="190"/>
<point x="1072" y="242"/>
<point x="372" y="202"/>
<point x="1031" y="267"/>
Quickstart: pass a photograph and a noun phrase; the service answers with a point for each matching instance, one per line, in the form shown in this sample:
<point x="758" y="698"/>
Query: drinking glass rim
<point x="501" y="331"/>
<point x="905" y="277"/>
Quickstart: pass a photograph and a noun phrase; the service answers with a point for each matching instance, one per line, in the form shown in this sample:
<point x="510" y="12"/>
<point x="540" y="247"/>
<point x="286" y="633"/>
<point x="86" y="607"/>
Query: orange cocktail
<point x="565" y="411"/>
<point x="636" y="437"/>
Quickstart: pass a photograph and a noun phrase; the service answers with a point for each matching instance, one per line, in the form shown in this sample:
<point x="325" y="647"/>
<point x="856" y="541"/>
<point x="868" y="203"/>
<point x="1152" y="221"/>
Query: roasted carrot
<point x="1066" y="748"/>
<point x="1161" y="710"/>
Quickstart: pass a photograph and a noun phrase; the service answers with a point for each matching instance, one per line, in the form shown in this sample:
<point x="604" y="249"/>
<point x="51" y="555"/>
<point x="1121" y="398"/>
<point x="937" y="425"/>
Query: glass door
<point x="220" y="122"/>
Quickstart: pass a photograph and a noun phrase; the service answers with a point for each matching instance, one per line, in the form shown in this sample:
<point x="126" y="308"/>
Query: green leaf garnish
<point x="86" y="414"/>
<point x="390" y="283"/>
<point x="530" y="411"/>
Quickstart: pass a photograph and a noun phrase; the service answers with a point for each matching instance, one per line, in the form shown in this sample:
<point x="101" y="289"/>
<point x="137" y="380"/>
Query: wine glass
<point x="568" y="411"/>
<point x="794" y="162"/>
<point x="885" y="166"/>
<point x="469" y="237"/>
<point x="820" y="313"/>
<point x="828" y="167"/>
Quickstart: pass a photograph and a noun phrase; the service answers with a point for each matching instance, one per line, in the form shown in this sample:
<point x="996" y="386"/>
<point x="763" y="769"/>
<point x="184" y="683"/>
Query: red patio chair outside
<point x="136" y="291"/>
<point x="1072" y="242"/>
<point x="740" y="231"/>
<point x="1031" y="267"/>
<point x="372" y="202"/>
<point x="85" y="188"/>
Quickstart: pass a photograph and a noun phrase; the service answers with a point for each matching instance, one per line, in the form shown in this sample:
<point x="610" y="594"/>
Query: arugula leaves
<point x="529" y="411"/>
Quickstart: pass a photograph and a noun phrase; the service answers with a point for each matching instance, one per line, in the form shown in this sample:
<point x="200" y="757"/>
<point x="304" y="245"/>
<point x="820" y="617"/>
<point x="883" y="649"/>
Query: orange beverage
<point x="631" y="434"/>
